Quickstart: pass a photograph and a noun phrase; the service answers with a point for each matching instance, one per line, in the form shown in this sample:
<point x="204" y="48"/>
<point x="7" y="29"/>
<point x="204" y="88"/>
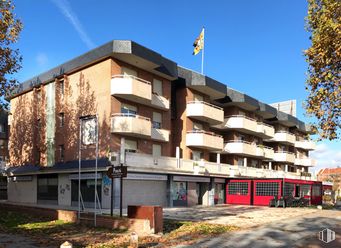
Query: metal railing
<point x="205" y="132"/>
<point x="132" y="77"/>
<point x="205" y="103"/>
<point x="130" y="115"/>
<point x="240" y="116"/>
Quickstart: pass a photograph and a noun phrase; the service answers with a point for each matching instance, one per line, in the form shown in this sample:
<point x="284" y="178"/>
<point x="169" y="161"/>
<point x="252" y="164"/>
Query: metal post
<point x="79" y="168"/>
<point x="112" y="193"/>
<point x="96" y="165"/>
<point x="121" y="192"/>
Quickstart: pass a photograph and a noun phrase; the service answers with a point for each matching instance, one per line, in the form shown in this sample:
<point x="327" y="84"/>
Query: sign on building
<point x="89" y="131"/>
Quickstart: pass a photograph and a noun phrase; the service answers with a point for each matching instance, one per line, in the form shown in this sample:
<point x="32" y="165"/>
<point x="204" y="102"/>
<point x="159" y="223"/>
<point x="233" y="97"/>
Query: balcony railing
<point x="160" y="134"/>
<point x="160" y="102"/>
<point x="265" y="131"/>
<point x="147" y="163"/>
<point x="131" y="88"/>
<point x="204" y="140"/>
<point x="284" y="137"/>
<point x="239" y="147"/>
<point x="239" y="122"/>
<point x="283" y="156"/>
<point x="306" y="145"/>
<point x="204" y="111"/>
<point x="131" y="124"/>
<point x="265" y="152"/>
<point x="305" y="161"/>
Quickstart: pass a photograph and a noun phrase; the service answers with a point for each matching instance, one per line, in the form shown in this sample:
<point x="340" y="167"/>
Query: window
<point x="61" y="119"/>
<point x="128" y="109"/>
<point x="130" y="145"/>
<point x="197" y="126"/>
<point x="61" y="88"/>
<point x="157" y="87"/>
<point x="157" y="150"/>
<point x="47" y="187"/>
<point x="129" y="72"/>
<point x="2" y="128"/>
<point x="38" y="94"/>
<point x="240" y="137"/>
<point x="267" y="189"/>
<point x="241" y="112"/>
<point x="254" y="163"/>
<point x="305" y="190"/>
<point x="238" y="188"/>
<point x="198" y="98"/>
<point x="61" y="153"/>
<point x="38" y="124"/>
<point x="316" y="190"/>
<point x="197" y="155"/>
<point x="157" y="120"/>
<point x="289" y="189"/>
<point x="37" y="155"/>
<point x="240" y="161"/>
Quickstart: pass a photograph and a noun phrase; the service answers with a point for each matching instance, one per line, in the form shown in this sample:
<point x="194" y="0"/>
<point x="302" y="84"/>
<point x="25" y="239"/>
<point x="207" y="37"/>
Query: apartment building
<point x="188" y="139"/>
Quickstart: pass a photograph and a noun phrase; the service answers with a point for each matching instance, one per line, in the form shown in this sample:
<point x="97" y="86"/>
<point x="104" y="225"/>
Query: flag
<point x="199" y="43"/>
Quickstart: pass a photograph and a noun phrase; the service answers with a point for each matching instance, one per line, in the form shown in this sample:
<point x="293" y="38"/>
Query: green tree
<point x="10" y="59"/>
<point x="324" y="67"/>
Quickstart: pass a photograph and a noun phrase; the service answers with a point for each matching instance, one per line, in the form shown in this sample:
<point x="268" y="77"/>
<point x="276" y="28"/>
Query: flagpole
<point x="202" y="52"/>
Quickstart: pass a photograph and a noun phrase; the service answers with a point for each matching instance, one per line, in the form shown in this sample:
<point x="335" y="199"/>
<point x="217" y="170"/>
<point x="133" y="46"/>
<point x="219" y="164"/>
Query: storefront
<point x="238" y="191"/>
<point x="190" y="191"/>
<point x="87" y="187"/>
<point x="261" y="191"/>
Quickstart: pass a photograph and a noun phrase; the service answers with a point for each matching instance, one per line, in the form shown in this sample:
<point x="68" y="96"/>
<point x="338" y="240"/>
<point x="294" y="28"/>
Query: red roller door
<point x="265" y="190"/>
<point x="238" y="192"/>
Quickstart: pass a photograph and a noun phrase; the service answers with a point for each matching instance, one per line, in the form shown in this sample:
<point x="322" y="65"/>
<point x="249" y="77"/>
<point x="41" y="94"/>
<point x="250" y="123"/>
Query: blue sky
<point x="253" y="46"/>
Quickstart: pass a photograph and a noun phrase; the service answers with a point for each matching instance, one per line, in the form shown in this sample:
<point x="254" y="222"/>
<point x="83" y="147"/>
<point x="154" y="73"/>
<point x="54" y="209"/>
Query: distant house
<point x="332" y="175"/>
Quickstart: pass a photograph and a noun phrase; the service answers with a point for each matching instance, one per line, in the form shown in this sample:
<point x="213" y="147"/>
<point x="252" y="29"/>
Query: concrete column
<point x="270" y="165"/>
<point x="286" y="168"/>
<point x="170" y="190"/>
<point x="245" y="162"/>
<point x="177" y="155"/>
<point x="211" y="192"/>
<point x="218" y="158"/>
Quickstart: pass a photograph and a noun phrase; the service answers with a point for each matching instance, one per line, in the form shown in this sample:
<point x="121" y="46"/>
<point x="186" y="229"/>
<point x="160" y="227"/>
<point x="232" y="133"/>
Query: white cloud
<point x="326" y="157"/>
<point x="42" y="59"/>
<point x="65" y="7"/>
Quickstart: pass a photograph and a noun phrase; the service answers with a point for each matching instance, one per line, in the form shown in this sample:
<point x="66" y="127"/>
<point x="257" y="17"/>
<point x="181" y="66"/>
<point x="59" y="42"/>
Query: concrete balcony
<point x="206" y="112"/>
<point x="286" y="157"/>
<point x="131" y="125"/>
<point x="265" y="152"/>
<point x="265" y="131"/>
<point x="139" y="162"/>
<point x="306" y="145"/>
<point x="239" y="147"/>
<point x="160" y="134"/>
<point x="240" y="123"/>
<point x="160" y="102"/>
<point x="283" y="137"/>
<point x="131" y="88"/>
<point x="305" y="161"/>
<point x="204" y="140"/>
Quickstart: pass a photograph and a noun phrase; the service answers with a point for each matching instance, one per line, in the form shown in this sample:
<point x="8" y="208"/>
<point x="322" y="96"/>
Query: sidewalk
<point x="300" y="232"/>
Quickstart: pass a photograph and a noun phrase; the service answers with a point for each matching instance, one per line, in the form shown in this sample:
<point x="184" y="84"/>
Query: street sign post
<point x="118" y="172"/>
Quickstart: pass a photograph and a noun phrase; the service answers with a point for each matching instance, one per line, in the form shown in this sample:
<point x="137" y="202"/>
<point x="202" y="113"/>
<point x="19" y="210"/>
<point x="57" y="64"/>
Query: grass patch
<point x="53" y="233"/>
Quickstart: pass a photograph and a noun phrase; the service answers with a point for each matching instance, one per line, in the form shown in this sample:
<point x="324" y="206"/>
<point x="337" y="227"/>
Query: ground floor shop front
<point x="167" y="190"/>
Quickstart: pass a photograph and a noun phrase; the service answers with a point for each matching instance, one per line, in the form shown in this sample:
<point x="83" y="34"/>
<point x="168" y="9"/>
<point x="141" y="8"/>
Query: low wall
<point x="139" y="226"/>
<point x="152" y="213"/>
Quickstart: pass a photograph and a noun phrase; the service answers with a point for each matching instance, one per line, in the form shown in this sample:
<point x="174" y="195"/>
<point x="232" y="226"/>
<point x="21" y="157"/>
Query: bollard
<point x="66" y="244"/>
<point x="134" y="240"/>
